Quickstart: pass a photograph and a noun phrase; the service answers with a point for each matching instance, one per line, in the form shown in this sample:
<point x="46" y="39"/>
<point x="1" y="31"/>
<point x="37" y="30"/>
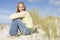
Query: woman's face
<point x="21" y="7"/>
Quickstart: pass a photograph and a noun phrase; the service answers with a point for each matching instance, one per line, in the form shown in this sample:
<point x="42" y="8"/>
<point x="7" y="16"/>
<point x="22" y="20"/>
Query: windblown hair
<point x="17" y="9"/>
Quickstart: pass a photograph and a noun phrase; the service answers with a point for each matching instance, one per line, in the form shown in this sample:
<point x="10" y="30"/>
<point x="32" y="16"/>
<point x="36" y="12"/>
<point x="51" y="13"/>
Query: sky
<point x="45" y="7"/>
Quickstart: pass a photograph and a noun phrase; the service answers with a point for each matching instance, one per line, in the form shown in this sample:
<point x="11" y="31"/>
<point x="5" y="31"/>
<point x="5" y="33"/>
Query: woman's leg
<point x="14" y="28"/>
<point x="23" y="28"/>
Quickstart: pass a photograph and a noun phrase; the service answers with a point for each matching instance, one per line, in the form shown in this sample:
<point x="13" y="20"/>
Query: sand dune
<point x="4" y="32"/>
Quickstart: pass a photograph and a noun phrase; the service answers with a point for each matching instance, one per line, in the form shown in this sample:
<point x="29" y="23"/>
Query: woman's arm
<point x="28" y="21"/>
<point x="17" y="15"/>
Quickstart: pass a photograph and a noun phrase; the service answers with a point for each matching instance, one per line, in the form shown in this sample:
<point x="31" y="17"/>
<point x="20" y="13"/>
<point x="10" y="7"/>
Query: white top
<point x="27" y="20"/>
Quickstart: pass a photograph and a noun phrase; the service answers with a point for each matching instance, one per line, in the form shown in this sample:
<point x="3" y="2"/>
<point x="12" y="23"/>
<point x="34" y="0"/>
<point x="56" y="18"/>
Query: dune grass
<point x="47" y="24"/>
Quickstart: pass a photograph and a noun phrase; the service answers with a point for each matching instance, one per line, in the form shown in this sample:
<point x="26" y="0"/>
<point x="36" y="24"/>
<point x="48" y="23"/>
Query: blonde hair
<point x="17" y="9"/>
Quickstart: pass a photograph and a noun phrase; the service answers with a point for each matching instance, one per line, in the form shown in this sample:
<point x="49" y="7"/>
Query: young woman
<point x="21" y="20"/>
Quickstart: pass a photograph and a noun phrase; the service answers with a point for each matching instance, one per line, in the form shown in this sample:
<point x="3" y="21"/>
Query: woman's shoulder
<point x="20" y="13"/>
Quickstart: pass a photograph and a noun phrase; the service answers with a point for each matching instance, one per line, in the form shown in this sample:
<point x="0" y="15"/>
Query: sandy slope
<point x="4" y="31"/>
